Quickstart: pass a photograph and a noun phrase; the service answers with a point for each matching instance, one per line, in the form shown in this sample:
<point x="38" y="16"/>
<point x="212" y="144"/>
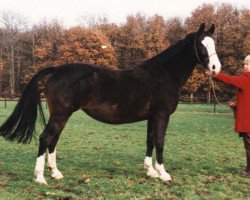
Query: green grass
<point x="202" y="154"/>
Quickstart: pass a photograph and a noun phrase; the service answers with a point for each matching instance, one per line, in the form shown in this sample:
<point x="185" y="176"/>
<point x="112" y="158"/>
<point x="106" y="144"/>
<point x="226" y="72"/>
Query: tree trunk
<point x="208" y="96"/>
<point x="33" y="49"/>
<point x="18" y="79"/>
<point x="192" y="97"/>
<point x="12" y="72"/>
<point x="1" y="73"/>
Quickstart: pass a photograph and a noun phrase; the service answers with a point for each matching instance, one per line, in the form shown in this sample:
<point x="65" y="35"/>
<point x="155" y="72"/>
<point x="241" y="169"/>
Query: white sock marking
<point x="55" y="173"/>
<point x="39" y="170"/>
<point x="149" y="167"/>
<point x="162" y="173"/>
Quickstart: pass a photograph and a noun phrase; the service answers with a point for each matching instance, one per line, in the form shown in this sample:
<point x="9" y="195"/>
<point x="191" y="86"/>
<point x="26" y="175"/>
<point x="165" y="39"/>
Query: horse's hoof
<point x="166" y="177"/>
<point x="41" y="181"/>
<point x="153" y="174"/>
<point x="169" y="182"/>
<point x="57" y="175"/>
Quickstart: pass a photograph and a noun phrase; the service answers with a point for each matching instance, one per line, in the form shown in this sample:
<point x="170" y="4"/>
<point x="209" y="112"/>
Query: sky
<point x="69" y="12"/>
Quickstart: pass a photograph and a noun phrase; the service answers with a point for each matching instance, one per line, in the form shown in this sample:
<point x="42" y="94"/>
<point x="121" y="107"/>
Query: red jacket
<point x="242" y="82"/>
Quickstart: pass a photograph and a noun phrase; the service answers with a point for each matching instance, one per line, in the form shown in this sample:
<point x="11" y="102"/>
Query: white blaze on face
<point x="214" y="64"/>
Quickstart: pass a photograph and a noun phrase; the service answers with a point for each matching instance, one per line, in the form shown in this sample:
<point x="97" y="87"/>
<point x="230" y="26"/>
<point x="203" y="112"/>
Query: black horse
<point x="148" y="91"/>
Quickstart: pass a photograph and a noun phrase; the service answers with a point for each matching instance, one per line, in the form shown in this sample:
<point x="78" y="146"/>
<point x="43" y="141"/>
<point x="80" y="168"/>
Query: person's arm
<point x="237" y="81"/>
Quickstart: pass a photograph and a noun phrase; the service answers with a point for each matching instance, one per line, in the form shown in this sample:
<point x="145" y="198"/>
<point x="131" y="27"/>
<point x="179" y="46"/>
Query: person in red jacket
<point x="242" y="117"/>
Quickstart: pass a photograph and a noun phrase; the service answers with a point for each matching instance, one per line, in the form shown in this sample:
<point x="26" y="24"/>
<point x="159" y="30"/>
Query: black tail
<point x="20" y="125"/>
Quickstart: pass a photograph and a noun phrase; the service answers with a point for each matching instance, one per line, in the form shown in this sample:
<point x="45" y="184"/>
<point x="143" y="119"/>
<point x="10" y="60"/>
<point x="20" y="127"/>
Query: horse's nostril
<point x="213" y="67"/>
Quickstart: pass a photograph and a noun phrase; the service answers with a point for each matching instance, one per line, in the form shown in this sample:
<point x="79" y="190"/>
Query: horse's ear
<point x="201" y="29"/>
<point x="211" y="30"/>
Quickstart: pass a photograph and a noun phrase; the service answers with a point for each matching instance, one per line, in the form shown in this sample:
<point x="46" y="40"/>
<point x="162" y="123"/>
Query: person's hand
<point x="209" y="73"/>
<point x="232" y="104"/>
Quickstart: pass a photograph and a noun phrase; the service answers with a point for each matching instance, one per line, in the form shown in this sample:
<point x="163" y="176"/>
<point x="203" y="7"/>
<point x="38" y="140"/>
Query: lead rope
<point x="213" y="89"/>
<point x="214" y="93"/>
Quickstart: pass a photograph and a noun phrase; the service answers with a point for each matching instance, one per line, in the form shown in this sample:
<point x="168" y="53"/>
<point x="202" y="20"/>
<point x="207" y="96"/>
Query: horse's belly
<point x="115" y="114"/>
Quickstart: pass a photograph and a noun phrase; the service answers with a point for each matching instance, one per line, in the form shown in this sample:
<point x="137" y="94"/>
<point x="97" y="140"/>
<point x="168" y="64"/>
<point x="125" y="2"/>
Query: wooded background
<point x="24" y="50"/>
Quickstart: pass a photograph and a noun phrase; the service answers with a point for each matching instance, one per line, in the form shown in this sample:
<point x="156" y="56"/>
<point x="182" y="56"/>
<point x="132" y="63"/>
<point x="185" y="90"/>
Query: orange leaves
<point x="77" y="45"/>
<point x="44" y="50"/>
<point x="194" y="82"/>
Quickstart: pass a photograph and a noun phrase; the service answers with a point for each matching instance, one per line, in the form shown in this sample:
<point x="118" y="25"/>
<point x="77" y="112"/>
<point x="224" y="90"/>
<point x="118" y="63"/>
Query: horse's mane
<point x="173" y="51"/>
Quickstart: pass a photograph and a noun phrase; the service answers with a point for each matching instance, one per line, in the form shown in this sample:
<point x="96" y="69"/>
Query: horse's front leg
<point x="161" y="123"/>
<point x="148" y="165"/>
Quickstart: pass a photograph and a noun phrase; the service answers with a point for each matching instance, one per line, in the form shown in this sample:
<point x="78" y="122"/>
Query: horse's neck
<point x="179" y="65"/>
<point x="181" y="69"/>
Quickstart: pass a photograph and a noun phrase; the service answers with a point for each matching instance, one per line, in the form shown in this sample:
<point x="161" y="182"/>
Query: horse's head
<point x="205" y="49"/>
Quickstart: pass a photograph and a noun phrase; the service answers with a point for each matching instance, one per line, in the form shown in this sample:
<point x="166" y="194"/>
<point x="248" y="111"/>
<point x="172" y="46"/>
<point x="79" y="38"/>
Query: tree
<point x="87" y="45"/>
<point x="245" y="24"/>
<point x="193" y="83"/>
<point x="92" y="21"/>
<point x="25" y="59"/>
<point x="174" y="30"/>
<point x="1" y="72"/>
<point x="202" y="14"/>
<point x="132" y="41"/>
<point x="112" y="31"/>
<point x="229" y="37"/>
<point x="14" y="25"/>
<point x="155" y="38"/>
<point x="47" y="39"/>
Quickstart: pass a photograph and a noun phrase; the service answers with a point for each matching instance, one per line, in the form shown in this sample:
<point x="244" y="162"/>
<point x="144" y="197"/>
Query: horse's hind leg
<point x="55" y="173"/>
<point x="48" y="139"/>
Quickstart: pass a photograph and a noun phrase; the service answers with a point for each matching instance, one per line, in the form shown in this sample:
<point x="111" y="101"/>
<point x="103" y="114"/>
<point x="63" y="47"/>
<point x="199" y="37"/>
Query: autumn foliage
<point x="24" y="51"/>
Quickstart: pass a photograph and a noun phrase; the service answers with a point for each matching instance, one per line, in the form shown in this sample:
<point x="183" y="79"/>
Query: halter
<point x="202" y="63"/>
<point x="197" y="55"/>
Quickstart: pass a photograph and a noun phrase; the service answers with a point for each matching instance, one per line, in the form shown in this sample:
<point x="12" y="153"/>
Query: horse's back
<point x="114" y="96"/>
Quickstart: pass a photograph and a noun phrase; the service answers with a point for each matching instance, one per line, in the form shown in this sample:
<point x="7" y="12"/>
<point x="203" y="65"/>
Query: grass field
<point x="99" y="161"/>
